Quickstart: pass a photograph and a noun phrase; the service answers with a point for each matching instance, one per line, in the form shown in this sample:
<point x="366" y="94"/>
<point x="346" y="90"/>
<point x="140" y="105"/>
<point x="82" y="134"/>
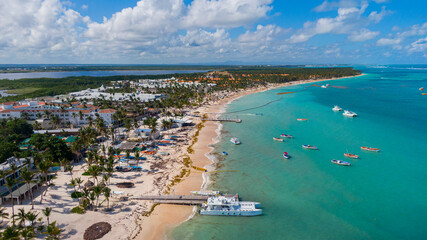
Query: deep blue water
<point x="381" y="196"/>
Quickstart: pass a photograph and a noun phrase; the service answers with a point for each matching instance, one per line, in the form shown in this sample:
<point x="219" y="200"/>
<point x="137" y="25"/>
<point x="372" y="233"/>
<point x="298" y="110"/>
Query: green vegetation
<point x="12" y="133"/>
<point x="22" y="90"/>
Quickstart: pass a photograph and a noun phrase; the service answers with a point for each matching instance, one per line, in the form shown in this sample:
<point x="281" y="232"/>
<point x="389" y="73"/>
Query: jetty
<point x="173" y="199"/>
<point x="222" y="119"/>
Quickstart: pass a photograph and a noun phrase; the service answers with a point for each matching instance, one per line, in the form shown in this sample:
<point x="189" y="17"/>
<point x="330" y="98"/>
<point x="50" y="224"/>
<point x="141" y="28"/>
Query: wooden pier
<point x="236" y="120"/>
<point x="173" y="199"/>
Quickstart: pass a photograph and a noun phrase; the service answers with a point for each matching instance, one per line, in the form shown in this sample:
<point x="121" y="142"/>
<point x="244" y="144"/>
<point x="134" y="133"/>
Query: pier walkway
<point x="174" y="199"/>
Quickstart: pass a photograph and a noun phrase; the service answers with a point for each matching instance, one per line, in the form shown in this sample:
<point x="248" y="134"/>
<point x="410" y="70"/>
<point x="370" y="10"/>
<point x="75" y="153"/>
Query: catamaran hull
<point x="256" y="212"/>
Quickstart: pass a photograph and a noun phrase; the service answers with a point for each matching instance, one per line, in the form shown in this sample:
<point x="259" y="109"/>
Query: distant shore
<point x="165" y="217"/>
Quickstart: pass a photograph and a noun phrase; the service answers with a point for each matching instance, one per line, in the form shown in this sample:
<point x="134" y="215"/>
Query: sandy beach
<point x="165" y="217"/>
<point x="136" y="219"/>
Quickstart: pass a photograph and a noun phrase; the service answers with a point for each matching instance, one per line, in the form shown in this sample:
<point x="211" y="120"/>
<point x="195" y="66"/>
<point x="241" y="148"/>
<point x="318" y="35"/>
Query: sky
<point x="213" y="32"/>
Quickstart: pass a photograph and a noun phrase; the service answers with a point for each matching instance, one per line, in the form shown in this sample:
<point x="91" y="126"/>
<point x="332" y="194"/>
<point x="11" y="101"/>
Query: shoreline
<point x="165" y="217"/>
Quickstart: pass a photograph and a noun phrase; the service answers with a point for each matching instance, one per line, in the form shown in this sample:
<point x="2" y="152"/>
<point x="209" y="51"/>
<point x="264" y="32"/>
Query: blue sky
<point x="213" y="31"/>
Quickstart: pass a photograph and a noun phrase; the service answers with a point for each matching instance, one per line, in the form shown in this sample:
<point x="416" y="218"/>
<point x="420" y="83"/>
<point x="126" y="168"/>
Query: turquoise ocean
<point x="380" y="196"/>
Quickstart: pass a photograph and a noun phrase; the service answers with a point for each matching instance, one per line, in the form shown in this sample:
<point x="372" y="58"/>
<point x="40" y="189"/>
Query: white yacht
<point x="325" y="86"/>
<point x="349" y="113"/>
<point x="229" y="206"/>
<point x="336" y="109"/>
<point x="235" y="141"/>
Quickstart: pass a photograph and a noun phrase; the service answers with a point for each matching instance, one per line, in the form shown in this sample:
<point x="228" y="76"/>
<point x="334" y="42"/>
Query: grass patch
<point x="78" y="210"/>
<point x="22" y="90"/>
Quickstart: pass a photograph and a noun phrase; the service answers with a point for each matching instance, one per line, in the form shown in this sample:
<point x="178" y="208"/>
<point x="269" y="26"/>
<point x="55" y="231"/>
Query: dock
<point x="236" y="120"/>
<point x="173" y="199"/>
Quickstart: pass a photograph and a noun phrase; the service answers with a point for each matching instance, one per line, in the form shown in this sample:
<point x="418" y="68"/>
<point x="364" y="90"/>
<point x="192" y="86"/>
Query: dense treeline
<point x="12" y="133"/>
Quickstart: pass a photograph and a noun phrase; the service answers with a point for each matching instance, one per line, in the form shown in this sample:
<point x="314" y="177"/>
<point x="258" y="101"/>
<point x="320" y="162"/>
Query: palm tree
<point x="28" y="176"/>
<point x="32" y="217"/>
<point x="98" y="191"/>
<point x="27" y="233"/>
<point x="137" y="158"/>
<point x="3" y="214"/>
<point x="10" y="233"/>
<point x="46" y="213"/>
<point x="94" y="171"/>
<point x="21" y="216"/>
<point x="43" y="168"/>
<point x="107" y="195"/>
<point x="14" y="168"/>
<point x="9" y="184"/>
<point x="53" y="231"/>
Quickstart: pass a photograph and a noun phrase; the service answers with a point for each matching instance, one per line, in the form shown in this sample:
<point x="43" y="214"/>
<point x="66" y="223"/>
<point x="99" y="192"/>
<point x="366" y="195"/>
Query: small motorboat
<point x="423" y="93"/>
<point x="302" y="119"/>
<point x="285" y="155"/>
<point x="325" y="86"/>
<point x="350" y="155"/>
<point x="349" y="113"/>
<point x="336" y="109"/>
<point x="370" y="149"/>
<point x="225" y="153"/>
<point x="286" y="136"/>
<point x="339" y="162"/>
<point x="259" y="114"/>
<point x="278" y="139"/>
<point x="421" y="89"/>
<point x="306" y="146"/>
<point x="235" y="141"/>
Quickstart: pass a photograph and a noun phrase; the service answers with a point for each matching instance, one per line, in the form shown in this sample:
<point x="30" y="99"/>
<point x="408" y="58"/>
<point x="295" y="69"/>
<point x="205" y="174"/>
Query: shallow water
<point x="381" y="196"/>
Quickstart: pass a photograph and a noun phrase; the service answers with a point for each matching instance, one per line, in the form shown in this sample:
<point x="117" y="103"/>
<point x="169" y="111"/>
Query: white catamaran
<point x="230" y="206"/>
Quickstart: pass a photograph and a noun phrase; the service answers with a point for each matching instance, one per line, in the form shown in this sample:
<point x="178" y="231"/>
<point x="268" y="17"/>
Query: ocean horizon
<point x="380" y="196"/>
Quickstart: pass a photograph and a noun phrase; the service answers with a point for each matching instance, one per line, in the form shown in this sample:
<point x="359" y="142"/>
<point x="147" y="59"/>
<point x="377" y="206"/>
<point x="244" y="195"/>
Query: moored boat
<point x="370" y="149"/>
<point x="423" y="93"/>
<point x="302" y="119"/>
<point x="225" y="153"/>
<point x="421" y="89"/>
<point x="350" y="155"/>
<point x="336" y="108"/>
<point x="306" y="146"/>
<point x="339" y="162"/>
<point x="229" y="206"/>
<point x="235" y="141"/>
<point x="285" y="155"/>
<point x="206" y="193"/>
<point x="278" y="139"/>
<point x="286" y="135"/>
<point x="349" y="113"/>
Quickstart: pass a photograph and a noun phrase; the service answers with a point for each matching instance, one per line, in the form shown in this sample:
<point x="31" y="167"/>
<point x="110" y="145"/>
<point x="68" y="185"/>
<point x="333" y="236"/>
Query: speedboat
<point x="350" y="155"/>
<point x="259" y="114"/>
<point x="235" y="141"/>
<point x="302" y="119"/>
<point x="225" y="153"/>
<point x="339" y="162"/>
<point x="336" y="109"/>
<point x="285" y="155"/>
<point x="286" y="136"/>
<point x="423" y="93"/>
<point x="349" y="113"/>
<point x="278" y="139"/>
<point x="370" y="149"/>
<point x="421" y="89"/>
<point x="306" y="146"/>
<point x="325" y="86"/>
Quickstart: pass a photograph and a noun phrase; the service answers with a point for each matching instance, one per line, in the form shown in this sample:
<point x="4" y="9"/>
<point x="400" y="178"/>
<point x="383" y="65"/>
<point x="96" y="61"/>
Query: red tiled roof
<point x="107" y="111"/>
<point x="8" y="103"/>
<point x="21" y="106"/>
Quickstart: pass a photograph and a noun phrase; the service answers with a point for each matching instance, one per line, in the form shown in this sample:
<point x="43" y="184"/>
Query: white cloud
<point x="402" y="37"/>
<point x="329" y="6"/>
<point x="363" y="35"/>
<point x="262" y="34"/>
<point x="376" y="17"/>
<point x="85" y="7"/>
<point x="348" y="21"/>
<point x="225" y="13"/>
<point x="419" y="46"/>
<point x="388" y="41"/>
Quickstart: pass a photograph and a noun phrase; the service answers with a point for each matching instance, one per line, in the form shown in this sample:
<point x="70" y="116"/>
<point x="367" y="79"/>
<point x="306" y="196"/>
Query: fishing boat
<point x="225" y="153"/>
<point x="302" y="119"/>
<point x="421" y="89"/>
<point x="278" y="139"/>
<point x="286" y="135"/>
<point x="306" y="146"/>
<point x="423" y="93"/>
<point x="285" y="155"/>
<point x="370" y="149"/>
<point x="235" y="141"/>
<point x="336" y="109"/>
<point x="339" y="162"/>
<point x="350" y="155"/>
<point x="349" y="113"/>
